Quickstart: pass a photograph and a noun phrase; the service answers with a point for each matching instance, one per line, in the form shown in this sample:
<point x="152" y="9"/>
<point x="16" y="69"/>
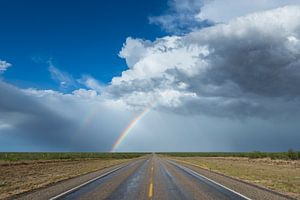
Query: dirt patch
<point x="280" y="175"/>
<point x="22" y="176"/>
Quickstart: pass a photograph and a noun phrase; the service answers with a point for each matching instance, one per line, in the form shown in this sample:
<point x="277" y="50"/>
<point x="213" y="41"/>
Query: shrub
<point x="292" y="154"/>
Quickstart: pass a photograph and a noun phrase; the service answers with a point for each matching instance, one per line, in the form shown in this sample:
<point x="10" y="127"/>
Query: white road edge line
<point x="223" y="186"/>
<point x="83" y="184"/>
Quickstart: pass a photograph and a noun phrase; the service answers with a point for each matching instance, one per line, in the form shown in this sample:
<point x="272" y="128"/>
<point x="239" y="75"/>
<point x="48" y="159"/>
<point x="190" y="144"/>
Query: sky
<point x="159" y="75"/>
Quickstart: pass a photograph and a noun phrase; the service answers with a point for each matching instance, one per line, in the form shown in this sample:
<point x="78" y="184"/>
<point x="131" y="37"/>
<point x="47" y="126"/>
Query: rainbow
<point x="130" y="127"/>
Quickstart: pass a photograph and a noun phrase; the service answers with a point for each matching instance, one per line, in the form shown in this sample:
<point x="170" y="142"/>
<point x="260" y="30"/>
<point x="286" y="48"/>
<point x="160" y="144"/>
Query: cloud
<point x="4" y="66"/>
<point x="64" y="79"/>
<point x="163" y="131"/>
<point x="181" y="17"/>
<point x="247" y="67"/>
<point x="226" y="10"/>
<point x="51" y="121"/>
<point x="91" y="83"/>
<point x="190" y="15"/>
<point x="46" y="120"/>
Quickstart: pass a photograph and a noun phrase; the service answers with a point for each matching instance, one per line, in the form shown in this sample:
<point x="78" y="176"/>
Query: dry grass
<point x="21" y="176"/>
<point x="279" y="175"/>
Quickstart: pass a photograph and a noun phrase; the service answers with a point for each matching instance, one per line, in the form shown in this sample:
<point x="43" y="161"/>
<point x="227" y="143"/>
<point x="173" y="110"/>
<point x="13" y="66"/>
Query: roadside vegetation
<point x="289" y="155"/>
<point x="27" y="156"/>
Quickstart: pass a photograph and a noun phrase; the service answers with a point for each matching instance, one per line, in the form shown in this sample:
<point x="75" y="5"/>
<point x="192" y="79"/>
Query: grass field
<point x="19" y="156"/>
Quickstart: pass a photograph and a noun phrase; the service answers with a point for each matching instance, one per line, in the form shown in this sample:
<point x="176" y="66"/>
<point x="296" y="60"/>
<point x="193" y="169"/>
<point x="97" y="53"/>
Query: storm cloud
<point x="247" y="67"/>
<point x="53" y="121"/>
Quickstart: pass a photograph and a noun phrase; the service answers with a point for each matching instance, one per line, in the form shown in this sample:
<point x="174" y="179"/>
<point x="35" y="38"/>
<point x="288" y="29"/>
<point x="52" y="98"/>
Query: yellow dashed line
<point x="150" y="194"/>
<point x="150" y="190"/>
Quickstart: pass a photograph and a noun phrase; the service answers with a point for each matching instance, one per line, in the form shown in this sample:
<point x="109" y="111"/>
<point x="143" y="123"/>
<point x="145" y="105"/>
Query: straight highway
<point x="153" y="177"/>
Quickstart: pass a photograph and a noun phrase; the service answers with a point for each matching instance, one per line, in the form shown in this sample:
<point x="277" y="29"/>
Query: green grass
<point x="289" y="155"/>
<point x="18" y="156"/>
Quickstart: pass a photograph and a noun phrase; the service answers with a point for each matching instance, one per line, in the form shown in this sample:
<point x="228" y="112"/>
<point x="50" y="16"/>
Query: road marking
<point x="189" y="163"/>
<point x="150" y="190"/>
<point x="195" y="173"/>
<point x="150" y="194"/>
<point x="86" y="183"/>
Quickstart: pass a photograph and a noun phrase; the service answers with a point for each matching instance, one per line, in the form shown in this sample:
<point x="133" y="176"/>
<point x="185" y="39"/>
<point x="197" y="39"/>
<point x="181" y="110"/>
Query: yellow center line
<point x="150" y="194"/>
<point x="150" y="190"/>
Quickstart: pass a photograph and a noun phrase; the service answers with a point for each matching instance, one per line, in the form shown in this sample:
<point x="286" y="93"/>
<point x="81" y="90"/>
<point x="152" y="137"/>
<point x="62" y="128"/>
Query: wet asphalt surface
<point x="156" y="177"/>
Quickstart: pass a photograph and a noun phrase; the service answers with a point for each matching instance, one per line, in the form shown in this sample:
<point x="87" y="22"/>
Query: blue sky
<point x="220" y="75"/>
<point x="82" y="37"/>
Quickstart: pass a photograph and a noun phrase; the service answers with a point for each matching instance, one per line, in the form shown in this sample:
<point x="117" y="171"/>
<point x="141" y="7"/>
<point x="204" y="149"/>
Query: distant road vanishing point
<point x="150" y="178"/>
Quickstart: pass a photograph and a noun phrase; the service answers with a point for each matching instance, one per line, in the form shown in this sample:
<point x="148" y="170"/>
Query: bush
<point x="292" y="154"/>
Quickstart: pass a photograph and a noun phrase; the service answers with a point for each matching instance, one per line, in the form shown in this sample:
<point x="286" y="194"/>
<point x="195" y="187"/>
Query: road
<point x="153" y="177"/>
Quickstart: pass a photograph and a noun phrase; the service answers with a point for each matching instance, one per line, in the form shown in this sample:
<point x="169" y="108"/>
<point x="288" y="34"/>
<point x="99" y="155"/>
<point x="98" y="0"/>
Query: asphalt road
<point x="153" y="177"/>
